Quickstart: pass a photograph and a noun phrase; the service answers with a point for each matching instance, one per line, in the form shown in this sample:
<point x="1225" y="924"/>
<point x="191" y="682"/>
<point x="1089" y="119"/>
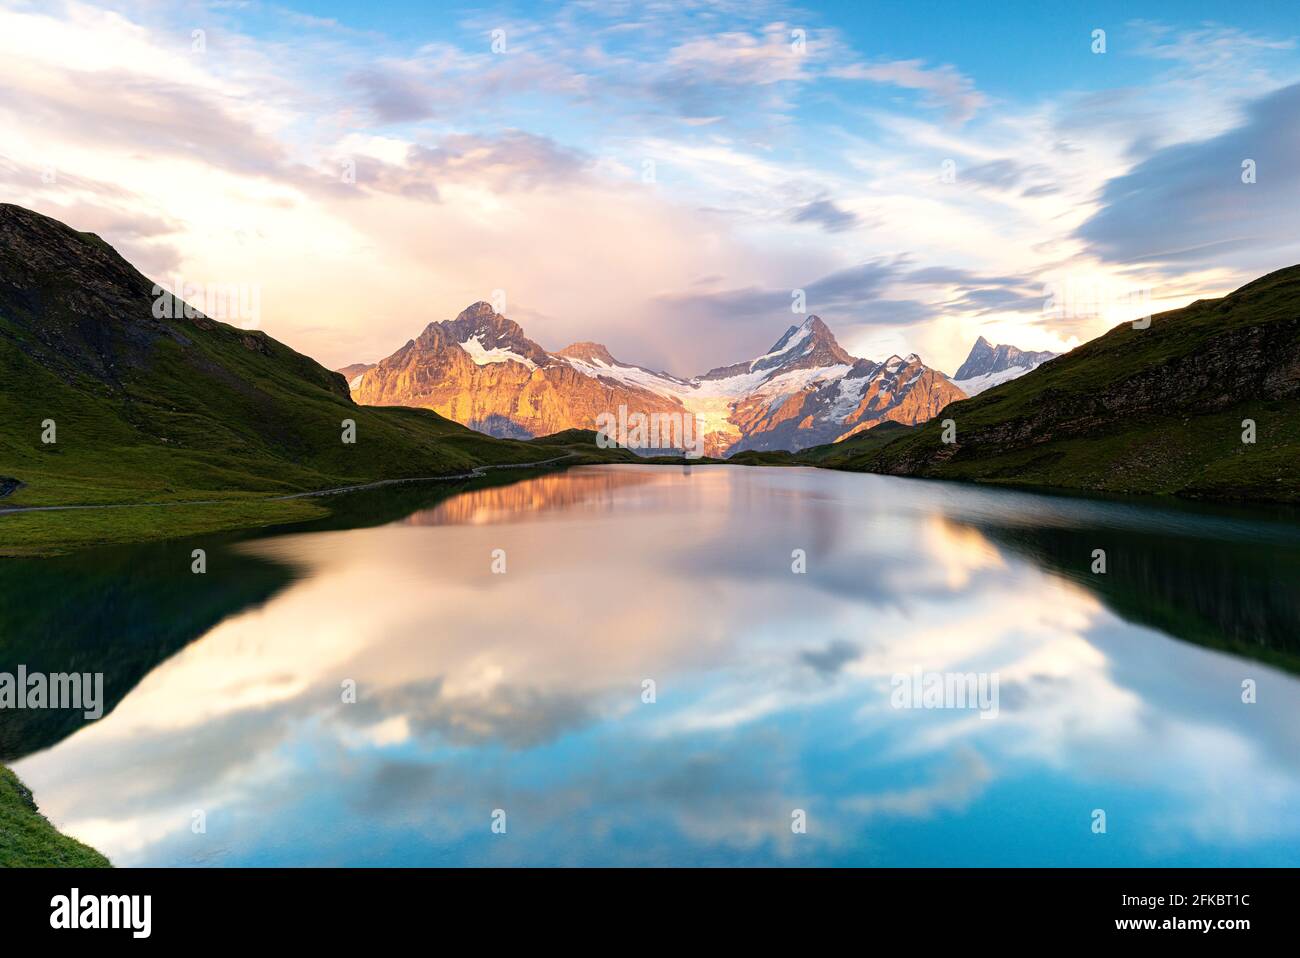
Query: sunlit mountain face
<point x="523" y="686"/>
<point x="481" y="370"/>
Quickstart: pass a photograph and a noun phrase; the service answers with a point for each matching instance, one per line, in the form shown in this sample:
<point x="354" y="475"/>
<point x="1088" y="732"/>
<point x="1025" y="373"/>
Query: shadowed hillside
<point x="1156" y="410"/>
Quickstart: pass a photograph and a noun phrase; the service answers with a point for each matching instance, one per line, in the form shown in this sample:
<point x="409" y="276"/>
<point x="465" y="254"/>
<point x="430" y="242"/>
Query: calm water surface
<point x="523" y="691"/>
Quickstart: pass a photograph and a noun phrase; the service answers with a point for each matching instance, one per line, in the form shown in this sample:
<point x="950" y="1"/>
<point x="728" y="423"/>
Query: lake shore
<point x="28" y="840"/>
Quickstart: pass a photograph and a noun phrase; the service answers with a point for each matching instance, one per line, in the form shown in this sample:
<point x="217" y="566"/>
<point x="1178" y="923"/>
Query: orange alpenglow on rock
<point x="480" y="369"/>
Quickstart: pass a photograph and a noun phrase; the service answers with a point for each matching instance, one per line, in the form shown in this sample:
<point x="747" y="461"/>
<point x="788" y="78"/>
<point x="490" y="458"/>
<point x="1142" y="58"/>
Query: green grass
<point x="160" y="410"/>
<point x="153" y="410"/>
<point x="766" y="457"/>
<point x="54" y="533"/>
<point x="1154" y="411"/>
<point x="869" y="440"/>
<point x="147" y="515"/>
<point x="28" y="840"/>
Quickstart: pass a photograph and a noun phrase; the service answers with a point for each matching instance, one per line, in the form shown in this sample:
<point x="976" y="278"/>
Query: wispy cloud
<point x="660" y="177"/>
<point x="1191" y="203"/>
<point x="826" y="214"/>
<point x="942" y="86"/>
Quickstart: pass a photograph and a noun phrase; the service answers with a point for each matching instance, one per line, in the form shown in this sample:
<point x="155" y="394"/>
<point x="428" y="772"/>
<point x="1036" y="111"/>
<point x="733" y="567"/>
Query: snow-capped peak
<point x="804" y="390"/>
<point x="989" y="365"/>
<point x="788" y="346"/>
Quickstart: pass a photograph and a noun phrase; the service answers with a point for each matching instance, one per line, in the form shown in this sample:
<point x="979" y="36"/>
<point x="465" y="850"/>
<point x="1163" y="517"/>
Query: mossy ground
<point x="28" y="840"/>
<point x="1136" y="411"/>
<point x="154" y="508"/>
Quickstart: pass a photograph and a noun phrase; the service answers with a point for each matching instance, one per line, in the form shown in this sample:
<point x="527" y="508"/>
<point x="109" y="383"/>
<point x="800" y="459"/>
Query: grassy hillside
<point x="762" y="457"/>
<point x="155" y="409"/>
<point x="869" y="440"/>
<point x="581" y="443"/>
<point x="1155" y="410"/>
<point x="150" y="409"/>
<point x="27" y="840"/>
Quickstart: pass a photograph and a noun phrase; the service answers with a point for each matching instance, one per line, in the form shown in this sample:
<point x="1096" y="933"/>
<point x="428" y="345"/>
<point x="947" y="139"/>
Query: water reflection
<point x="578" y="491"/>
<point x="524" y="691"/>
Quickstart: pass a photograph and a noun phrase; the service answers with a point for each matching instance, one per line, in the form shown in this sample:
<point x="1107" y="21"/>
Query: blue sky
<point x="661" y="177"/>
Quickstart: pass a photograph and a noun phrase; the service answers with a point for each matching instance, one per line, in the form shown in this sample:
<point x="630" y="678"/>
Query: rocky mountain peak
<point x="985" y="358"/>
<point x="806" y="346"/>
<point x="481" y="329"/>
<point x="804" y="390"/>
<point x="479" y="310"/>
<point x="589" y="352"/>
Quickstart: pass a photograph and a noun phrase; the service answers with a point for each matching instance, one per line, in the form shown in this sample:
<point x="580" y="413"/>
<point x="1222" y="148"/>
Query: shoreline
<point x="298" y="507"/>
<point x="29" y="840"/>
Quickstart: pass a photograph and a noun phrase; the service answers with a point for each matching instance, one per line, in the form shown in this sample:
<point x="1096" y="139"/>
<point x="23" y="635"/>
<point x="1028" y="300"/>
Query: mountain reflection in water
<point x="523" y="691"/>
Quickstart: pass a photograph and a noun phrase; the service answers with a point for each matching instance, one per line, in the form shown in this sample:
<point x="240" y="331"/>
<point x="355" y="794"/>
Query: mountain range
<point x="154" y="410"/>
<point x="481" y="370"/>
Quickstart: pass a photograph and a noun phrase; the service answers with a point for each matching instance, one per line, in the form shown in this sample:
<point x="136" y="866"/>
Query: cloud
<point x="714" y="75"/>
<point x="997" y="300"/>
<point x="978" y="294"/>
<point x="1187" y="204"/>
<point x="892" y="312"/>
<point x="960" y="782"/>
<point x="133" y="234"/>
<point x="136" y="112"/>
<point x="1006" y="174"/>
<point x="239" y="149"/>
<point x="955" y="276"/>
<point x="831" y="218"/>
<point x="22" y="176"/>
<point x="740" y="76"/>
<point x="738" y="324"/>
<point x="395" y="94"/>
<point x="1211" y="47"/>
<point x="827" y="662"/>
<point x="116" y="215"/>
<point x="445" y="82"/>
<point x="507" y="162"/>
<point x="847" y="288"/>
<point x="516" y="717"/>
<point x="943" y="86"/>
<point x="862" y="296"/>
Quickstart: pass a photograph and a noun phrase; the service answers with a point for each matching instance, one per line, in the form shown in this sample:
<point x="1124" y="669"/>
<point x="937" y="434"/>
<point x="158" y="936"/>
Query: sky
<point x="671" y="179"/>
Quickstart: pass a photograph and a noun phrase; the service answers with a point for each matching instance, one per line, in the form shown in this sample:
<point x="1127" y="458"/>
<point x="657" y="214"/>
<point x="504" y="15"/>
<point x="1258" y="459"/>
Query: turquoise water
<point x="520" y="697"/>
